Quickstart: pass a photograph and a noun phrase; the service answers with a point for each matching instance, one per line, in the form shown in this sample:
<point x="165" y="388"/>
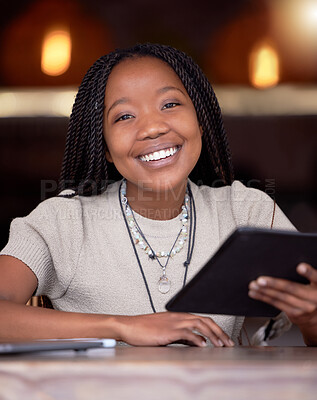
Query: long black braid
<point x="85" y="169"/>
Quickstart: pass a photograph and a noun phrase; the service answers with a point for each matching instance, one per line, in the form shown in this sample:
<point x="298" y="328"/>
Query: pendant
<point x="164" y="284"/>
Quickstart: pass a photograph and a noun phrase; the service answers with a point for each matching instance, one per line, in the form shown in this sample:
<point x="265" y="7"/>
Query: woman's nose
<point x="152" y="126"/>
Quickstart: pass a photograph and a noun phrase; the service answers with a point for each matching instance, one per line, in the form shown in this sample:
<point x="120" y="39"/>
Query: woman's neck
<point x="159" y="205"/>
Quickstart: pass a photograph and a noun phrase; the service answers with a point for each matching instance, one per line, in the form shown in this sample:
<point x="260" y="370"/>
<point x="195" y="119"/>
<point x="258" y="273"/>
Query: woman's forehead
<point x="143" y="62"/>
<point x="141" y="70"/>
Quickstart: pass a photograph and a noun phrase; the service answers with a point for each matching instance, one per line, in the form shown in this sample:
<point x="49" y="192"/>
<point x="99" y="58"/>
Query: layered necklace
<point x="185" y="235"/>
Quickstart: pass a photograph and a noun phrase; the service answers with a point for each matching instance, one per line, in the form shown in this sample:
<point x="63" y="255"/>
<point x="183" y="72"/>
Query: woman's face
<point x="150" y="125"/>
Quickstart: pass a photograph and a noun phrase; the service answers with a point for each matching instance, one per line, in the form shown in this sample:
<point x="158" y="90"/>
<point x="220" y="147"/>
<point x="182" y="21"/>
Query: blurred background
<point x="260" y="56"/>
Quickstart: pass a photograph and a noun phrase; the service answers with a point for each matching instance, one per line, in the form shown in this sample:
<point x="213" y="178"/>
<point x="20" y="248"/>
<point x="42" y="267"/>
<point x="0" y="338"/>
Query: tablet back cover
<point x="221" y="286"/>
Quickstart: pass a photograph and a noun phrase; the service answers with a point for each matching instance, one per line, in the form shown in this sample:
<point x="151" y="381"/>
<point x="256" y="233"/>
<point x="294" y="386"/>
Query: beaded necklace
<point x="137" y="237"/>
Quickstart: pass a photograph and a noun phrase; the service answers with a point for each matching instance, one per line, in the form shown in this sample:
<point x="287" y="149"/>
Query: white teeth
<point x="158" y="155"/>
<point x="162" y="154"/>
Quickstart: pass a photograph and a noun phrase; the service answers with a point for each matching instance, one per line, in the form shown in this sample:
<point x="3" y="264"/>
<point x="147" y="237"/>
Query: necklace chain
<point x="192" y="230"/>
<point x="139" y="237"/>
<point x="164" y="284"/>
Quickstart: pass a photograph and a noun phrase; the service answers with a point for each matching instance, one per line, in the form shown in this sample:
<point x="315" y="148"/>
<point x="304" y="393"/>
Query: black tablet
<point x="221" y="286"/>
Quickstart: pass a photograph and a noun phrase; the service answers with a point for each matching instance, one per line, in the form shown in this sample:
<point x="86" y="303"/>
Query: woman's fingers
<point x="164" y="328"/>
<point x="298" y="301"/>
<point x="295" y="299"/>
<point x="275" y="295"/>
<point x="187" y="335"/>
<point x="196" y="326"/>
<point x="290" y="309"/>
<point x="288" y="289"/>
<point x="218" y="332"/>
<point x="308" y="272"/>
<point x="207" y="327"/>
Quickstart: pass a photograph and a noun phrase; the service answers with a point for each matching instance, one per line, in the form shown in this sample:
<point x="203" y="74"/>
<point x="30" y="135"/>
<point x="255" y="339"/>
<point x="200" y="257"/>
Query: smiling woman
<point x="156" y="114"/>
<point x="131" y="225"/>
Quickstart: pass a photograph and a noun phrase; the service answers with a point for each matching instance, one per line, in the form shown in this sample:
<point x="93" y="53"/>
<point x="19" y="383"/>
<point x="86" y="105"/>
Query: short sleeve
<point x="48" y="241"/>
<point x="252" y="207"/>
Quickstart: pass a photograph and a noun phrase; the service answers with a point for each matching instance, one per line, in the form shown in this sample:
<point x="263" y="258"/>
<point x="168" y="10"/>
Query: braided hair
<point x="85" y="168"/>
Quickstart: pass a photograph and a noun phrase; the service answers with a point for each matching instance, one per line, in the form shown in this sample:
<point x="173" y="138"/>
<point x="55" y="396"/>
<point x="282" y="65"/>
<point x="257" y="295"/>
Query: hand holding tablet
<point x="222" y="285"/>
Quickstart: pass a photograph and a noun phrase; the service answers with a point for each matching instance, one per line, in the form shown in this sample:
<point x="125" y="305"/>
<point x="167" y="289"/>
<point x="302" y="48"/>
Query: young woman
<point x="131" y="227"/>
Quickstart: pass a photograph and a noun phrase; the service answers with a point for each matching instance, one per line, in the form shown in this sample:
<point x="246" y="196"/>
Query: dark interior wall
<point x="219" y="34"/>
<point x="31" y="151"/>
<point x="275" y="154"/>
<point x="278" y="154"/>
<point x="185" y="24"/>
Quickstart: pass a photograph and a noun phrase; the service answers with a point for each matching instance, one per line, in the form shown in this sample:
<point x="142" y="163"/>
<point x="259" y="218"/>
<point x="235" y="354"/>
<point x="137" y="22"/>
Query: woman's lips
<point x="168" y="159"/>
<point x="156" y="155"/>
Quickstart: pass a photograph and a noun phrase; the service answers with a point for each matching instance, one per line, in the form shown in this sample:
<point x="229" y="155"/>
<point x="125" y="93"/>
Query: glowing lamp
<point x="56" y="52"/>
<point x="264" y="68"/>
<point x="309" y="14"/>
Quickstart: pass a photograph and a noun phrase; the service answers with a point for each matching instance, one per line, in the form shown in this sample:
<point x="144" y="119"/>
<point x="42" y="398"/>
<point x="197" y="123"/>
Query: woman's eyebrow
<point x="167" y="88"/>
<point x="122" y="100"/>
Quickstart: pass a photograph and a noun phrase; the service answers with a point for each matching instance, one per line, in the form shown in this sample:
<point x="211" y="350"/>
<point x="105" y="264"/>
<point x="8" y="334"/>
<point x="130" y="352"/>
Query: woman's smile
<point x="160" y="154"/>
<point x="160" y="158"/>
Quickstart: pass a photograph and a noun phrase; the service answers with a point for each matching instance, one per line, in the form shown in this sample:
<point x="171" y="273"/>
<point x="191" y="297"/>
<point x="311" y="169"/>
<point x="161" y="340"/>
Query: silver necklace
<point x="139" y="239"/>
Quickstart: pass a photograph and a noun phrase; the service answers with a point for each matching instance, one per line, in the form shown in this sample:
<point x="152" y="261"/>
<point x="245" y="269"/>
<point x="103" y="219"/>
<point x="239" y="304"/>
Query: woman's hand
<point x="167" y="327"/>
<point x="298" y="301"/>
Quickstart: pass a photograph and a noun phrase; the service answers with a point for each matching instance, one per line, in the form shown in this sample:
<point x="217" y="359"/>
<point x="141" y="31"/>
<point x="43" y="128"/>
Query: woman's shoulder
<point x="67" y="204"/>
<point x="247" y="205"/>
<point x="236" y="192"/>
<point x="57" y="207"/>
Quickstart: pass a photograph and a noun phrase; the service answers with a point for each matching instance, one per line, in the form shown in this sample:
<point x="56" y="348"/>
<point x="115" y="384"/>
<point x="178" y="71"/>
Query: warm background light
<point x="264" y="66"/>
<point x="299" y="16"/>
<point x="52" y="37"/>
<point x="294" y="27"/>
<point x="56" y="52"/>
<point x="308" y="15"/>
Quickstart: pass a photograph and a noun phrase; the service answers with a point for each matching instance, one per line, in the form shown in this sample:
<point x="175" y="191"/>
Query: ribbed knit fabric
<point x="80" y="251"/>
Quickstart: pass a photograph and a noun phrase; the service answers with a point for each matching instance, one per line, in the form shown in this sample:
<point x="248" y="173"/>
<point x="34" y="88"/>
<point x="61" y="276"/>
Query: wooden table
<point x="162" y="374"/>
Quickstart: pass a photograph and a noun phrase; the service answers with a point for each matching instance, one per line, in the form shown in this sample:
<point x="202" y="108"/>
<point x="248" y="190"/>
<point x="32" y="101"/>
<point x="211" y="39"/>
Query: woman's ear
<point x="201" y="130"/>
<point x="108" y="156"/>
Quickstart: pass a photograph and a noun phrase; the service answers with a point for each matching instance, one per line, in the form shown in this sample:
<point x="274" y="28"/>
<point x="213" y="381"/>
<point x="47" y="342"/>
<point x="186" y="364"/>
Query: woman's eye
<point x="170" y="105"/>
<point x="123" y="117"/>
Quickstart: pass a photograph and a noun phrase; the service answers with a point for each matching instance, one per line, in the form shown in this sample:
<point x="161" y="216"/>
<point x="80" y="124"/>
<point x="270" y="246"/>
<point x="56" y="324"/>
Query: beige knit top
<point x="81" y="253"/>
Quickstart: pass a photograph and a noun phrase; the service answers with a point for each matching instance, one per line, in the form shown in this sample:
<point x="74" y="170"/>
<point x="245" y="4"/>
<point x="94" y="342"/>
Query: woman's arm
<point x="18" y="321"/>
<point x="298" y="301"/>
